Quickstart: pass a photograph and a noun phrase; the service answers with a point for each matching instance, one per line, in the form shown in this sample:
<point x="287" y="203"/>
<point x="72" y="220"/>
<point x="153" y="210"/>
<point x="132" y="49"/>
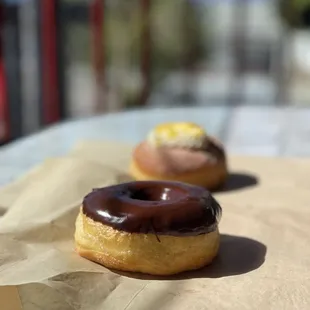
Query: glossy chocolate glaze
<point x="162" y="208"/>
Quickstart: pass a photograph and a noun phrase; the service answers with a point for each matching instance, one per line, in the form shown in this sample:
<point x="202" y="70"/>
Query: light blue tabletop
<point x="259" y="131"/>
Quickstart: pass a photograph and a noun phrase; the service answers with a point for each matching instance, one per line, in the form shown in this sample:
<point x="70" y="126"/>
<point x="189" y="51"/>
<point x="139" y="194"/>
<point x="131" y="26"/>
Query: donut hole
<point x="155" y="193"/>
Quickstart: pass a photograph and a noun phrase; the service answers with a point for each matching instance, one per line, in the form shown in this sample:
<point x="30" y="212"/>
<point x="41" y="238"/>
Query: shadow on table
<point x="234" y="181"/>
<point x="237" y="181"/>
<point x="237" y="255"/>
<point x="124" y="178"/>
<point x="2" y="211"/>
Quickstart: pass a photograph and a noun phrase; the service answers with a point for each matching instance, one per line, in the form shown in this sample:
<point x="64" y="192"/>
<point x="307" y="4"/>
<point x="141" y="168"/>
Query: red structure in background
<point x="4" y="112"/>
<point x="50" y="45"/>
<point x="51" y="103"/>
<point x="97" y="12"/>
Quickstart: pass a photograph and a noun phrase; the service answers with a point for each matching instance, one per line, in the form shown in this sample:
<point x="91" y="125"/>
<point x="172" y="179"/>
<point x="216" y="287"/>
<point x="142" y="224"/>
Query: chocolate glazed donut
<point x="163" y="208"/>
<point x="153" y="227"/>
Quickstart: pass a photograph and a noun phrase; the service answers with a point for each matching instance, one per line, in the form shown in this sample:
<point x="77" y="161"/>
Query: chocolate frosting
<point x="162" y="208"/>
<point x="214" y="148"/>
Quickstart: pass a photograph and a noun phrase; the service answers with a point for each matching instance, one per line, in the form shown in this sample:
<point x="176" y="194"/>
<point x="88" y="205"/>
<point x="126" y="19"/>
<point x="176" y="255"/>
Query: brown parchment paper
<point x="264" y="259"/>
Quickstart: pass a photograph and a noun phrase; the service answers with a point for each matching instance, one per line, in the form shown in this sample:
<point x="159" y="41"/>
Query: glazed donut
<point x="180" y="152"/>
<point x="158" y="228"/>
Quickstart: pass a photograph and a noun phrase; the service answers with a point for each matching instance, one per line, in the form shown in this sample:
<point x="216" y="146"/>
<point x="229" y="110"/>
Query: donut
<point x="152" y="227"/>
<point x="180" y="152"/>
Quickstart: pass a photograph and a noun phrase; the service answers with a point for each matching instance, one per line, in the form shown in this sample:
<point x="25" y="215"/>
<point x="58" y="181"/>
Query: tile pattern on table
<point x="256" y="131"/>
<point x="259" y="131"/>
<point x="297" y="133"/>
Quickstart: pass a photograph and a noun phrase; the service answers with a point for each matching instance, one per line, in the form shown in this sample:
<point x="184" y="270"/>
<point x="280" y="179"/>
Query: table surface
<point x="259" y="131"/>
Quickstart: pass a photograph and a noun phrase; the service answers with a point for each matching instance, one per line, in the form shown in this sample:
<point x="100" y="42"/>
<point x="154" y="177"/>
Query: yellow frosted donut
<point x="180" y="151"/>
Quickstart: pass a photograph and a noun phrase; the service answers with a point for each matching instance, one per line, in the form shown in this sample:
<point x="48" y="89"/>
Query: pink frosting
<point x="171" y="160"/>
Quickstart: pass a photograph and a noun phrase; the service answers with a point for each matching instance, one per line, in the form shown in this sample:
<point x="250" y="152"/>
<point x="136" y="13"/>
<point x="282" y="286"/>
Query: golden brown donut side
<point x="143" y="252"/>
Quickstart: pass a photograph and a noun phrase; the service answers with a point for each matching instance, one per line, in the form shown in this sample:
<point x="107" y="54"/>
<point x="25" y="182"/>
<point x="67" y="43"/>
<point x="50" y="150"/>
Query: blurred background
<point x="64" y="59"/>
